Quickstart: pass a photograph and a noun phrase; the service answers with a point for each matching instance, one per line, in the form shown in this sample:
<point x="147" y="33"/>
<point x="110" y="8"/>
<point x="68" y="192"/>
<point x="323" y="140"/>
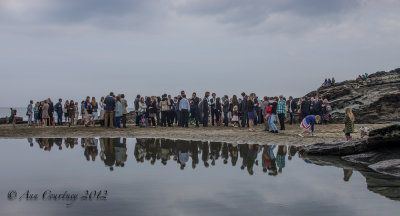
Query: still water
<point x="118" y="176"/>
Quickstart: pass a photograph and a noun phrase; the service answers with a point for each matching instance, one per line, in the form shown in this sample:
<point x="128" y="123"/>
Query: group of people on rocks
<point x="328" y="82"/>
<point x="362" y="76"/>
<point x="168" y="111"/>
<point x="182" y="111"/>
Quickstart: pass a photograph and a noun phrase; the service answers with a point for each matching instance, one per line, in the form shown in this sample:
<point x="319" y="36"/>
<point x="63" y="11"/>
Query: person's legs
<point x="30" y="119"/>
<point x="281" y="117"/>
<point x="118" y="120"/>
<point x="272" y="124"/>
<point x="124" y="120"/>
<point x="106" y="118"/>
<point x="266" y="124"/>
<point x="212" y="116"/>
<point x="196" y="117"/>
<point x="205" y="118"/>
<point x="226" y="120"/>
<point x="185" y="118"/>
<point x="59" y="120"/>
<point x="153" y="121"/>
<point x="217" y="115"/>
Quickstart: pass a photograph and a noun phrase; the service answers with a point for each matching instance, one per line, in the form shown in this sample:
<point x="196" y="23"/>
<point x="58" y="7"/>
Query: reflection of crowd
<point x="113" y="152"/>
<point x="273" y="157"/>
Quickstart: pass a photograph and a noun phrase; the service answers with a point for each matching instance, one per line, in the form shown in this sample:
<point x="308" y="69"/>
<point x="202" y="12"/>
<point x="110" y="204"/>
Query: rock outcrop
<point x="373" y="100"/>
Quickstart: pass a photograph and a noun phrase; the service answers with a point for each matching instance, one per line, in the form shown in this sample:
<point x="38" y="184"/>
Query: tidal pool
<point x="119" y="176"/>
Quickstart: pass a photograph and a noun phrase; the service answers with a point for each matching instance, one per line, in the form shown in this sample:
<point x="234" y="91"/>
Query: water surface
<point x="167" y="177"/>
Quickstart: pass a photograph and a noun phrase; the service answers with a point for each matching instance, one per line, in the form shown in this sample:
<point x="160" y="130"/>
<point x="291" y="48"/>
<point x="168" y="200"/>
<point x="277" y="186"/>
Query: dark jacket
<point x="305" y="107"/>
<point x="274" y="106"/>
<point x="205" y="104"/>
<point x="110" y="103"/>
<point x="292" y="104"/>
<point x="226" y="106"/>
<point x="58" y="108"/>
<point x="195" y="103"/>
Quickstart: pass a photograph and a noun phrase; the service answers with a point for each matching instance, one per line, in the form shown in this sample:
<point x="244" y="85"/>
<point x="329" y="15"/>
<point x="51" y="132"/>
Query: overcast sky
<point x="74" y="48"/>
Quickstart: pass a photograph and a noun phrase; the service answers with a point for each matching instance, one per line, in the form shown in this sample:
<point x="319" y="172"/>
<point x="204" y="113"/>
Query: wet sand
<point x="324" y="133"/>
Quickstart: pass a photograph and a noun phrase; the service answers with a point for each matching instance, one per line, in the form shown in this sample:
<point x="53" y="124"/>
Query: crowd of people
<point x="168" y="111"/>
<point x="328" y="82"/>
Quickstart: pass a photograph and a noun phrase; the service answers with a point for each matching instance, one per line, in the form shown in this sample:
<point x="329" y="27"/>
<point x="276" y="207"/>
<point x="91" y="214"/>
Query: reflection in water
<point x="113" y="152"/>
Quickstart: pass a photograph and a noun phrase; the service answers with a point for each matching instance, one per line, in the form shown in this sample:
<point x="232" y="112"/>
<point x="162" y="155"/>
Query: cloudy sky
<point x="75" y="48"/>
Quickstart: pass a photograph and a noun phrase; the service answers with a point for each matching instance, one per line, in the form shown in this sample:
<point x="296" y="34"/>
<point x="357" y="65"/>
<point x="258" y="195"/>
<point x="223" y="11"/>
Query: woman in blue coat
<point x="118" y="112"/>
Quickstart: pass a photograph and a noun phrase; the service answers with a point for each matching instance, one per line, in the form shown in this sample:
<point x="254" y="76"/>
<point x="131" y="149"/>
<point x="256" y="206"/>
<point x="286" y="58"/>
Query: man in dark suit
<point x="214" y="112"/>
<point x="305" y="108"/>
<point x="225" y="109"/>
<point x="292" y="106"/>
<point x="243" y="110"/>
<point x="205" y="109"/>
<point x="195" y="110"/>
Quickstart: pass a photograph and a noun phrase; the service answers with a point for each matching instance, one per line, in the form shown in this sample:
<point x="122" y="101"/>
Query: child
<point x="235" y="118"/>
<point x="348" y="124"/>
<point x="268" y="112"/>
<point x="364" y="131"/>
<point x="308" y="124"/>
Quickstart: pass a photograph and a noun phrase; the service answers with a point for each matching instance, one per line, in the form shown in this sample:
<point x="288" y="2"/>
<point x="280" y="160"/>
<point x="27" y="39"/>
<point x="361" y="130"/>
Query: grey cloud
<point x="252" y="13"/>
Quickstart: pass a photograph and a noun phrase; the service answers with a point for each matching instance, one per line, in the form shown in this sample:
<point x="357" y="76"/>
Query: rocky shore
<point x="380" y="151"/>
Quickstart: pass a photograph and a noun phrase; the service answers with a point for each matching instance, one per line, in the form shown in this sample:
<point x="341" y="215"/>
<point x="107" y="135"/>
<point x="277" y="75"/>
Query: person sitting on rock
<point x="308" y="124"/>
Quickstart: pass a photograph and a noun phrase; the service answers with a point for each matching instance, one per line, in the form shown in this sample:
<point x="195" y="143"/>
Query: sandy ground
<point x="324" y="133"/>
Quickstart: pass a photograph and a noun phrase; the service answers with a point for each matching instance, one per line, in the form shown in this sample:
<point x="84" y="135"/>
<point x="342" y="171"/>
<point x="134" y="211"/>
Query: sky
<point x="71" y="49"/>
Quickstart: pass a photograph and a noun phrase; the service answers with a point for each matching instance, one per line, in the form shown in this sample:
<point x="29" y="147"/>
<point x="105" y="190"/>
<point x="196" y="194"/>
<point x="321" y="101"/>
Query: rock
<point x="374" y="100"/>
<point x="7" y="119"/>
<point x="387" y="137"/>
<point x="373" y="156"/>
<point x="389" y="167"/>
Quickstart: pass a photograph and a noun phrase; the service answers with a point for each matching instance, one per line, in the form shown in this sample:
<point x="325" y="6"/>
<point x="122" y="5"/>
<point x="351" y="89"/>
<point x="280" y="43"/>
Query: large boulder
<point x="374" y="100"/>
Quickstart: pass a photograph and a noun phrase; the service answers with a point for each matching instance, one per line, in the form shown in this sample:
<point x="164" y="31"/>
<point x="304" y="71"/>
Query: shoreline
<point x="325" y="133"/>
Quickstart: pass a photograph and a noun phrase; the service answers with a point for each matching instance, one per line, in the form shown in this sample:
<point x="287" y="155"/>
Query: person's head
<point x="317" y="119"/>
<point x="251" y="97"/>
<point x="207" y="94"/>
<point x="182" y="92"/>
<point x="60" y="100"/>
<point x="280" y="97"/>
<point x="325" y="100"/>
<point x="118" y="98"/>
<point x="31" y="102"/>
<point x="265" y="98"/>
<point x="184" y="95"/>
<point x="169" y="96"/>
<point x="102" y="99"/>
<point x="350" y="114"/>
<point x="243" y="94"/>
<point x="290" y="98"/>
<point x="194" y="94"/>
<point x="164" y="95"/>
<point x="138" y="96"/>
<point x="226" y="97"/>
<point x="72" y="102"/>
<point x="93" y="100"/>
<point x="142" y="99"/>
<point x="275" y="99"/>
<point x="213" y="95"/>
<point x="175" y="99"/>
<point x="67" y="102"/>
<point x="234" y="97"/>
<point x="122" y="95"/>
<point x="112" y="94"/>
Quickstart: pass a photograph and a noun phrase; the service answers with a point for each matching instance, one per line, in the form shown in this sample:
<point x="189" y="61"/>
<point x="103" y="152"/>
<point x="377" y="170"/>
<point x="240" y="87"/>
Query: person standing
<point x="109" y="111"/>
<point x="218" y="111"/>
<point x="65" y="111"/>
<point x="102" y="111"/>
<point x="292" y="110"/>
<point x="348" y="124"/>
<point x="165" y="108"/>
<point x="118" y="111"/>
<point x="171" y="112"/>
<point x="257" y="111"/>
<point x="152" y="109"/>
<point x="251" y="111"/>
<point x="271" y="121"/>
<point x="76" y="113"/>
<point x="243" y="110"/>
<point x="205" y="104"/>
<point x="59" y="110"/>
<point x="36" y="114"/>
<point x="184" y="108"/>
<point x="213" y="103"/>
<point x="95" y="107"/>
<point x="124" y="111"/>
<point x="305" y="108"/>
<point x="51" y="112"/>
<point x="29" y="112"/>
<point x="226" y="110"/>
<point x="71" y="113"/>
<point x="318" y="107"/>
<point x="281" y="111"/>
<point x="136" y="103"/>
<point x="195" y="110"/>
<point x="45" y="113"/>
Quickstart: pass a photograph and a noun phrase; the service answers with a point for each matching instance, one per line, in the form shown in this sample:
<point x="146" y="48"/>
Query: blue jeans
<point x="292" y="118"/>
<point x="118" y="121"/>
<point x="271" y="123"/>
